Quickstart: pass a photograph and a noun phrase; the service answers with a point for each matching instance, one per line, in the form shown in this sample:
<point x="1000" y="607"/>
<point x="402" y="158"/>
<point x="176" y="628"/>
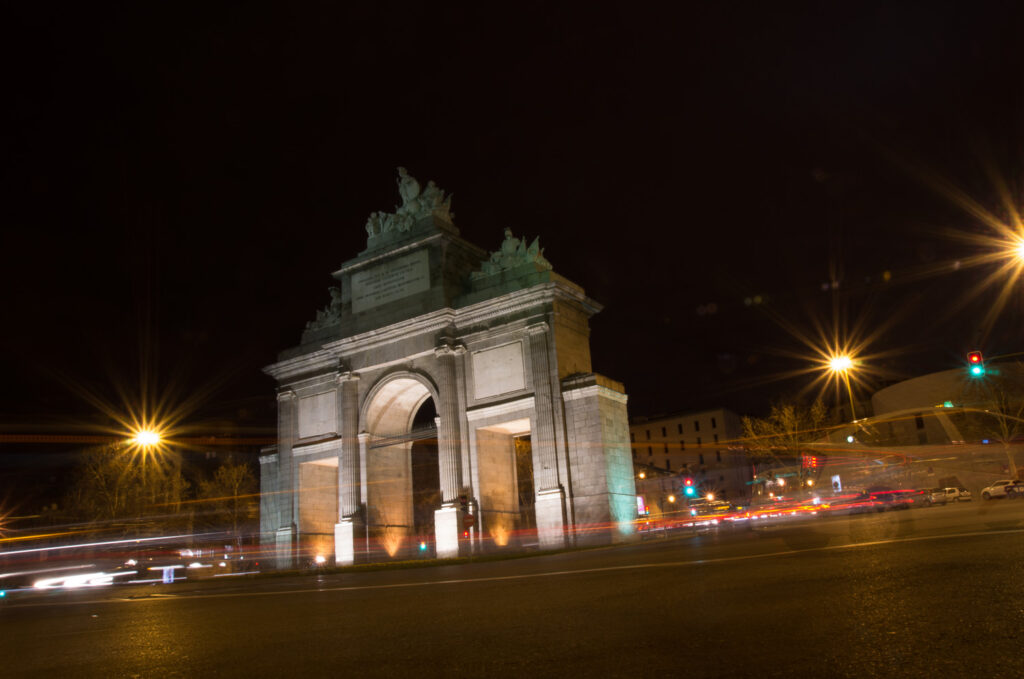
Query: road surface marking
<point x="520" y="576"/>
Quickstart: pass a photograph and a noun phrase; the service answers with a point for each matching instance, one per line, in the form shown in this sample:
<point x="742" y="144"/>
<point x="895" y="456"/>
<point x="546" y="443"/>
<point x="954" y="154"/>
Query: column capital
<point x="449" y="348"/>
<point x="285" y="395"/>
<point x="537" y="328"/>
<point x="347" y="376"/>
<point x="363" y="437"/>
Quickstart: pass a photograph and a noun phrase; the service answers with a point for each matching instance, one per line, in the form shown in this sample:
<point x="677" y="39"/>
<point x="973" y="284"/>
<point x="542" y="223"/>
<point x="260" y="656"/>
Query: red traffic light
<point x="974" y="357"/>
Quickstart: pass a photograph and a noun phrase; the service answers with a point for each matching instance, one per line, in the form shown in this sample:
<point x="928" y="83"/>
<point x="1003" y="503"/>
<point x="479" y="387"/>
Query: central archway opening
<point x="402" y="470"/>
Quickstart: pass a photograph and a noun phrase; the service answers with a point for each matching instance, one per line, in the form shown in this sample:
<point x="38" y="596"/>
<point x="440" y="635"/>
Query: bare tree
<point x="993" y="409"/>
<point x="114" y="486"/>
<point x="786" y="431"/>
<point x="230" y="495"/>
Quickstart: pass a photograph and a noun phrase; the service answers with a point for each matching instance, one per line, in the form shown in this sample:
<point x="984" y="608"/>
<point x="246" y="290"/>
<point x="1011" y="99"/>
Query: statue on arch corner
<point x="513" y="253"/>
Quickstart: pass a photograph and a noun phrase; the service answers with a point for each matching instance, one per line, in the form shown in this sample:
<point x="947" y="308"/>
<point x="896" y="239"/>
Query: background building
<point x="702" y="445"/>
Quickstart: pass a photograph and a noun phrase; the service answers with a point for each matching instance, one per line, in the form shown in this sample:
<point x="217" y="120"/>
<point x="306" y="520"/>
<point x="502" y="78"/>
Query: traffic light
<point x="975" y="364"/>
<point x="688" y="489"/>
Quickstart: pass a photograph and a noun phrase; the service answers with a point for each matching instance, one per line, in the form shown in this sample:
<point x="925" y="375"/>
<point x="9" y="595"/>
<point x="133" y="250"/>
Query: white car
<point x="997" y="489"/>
<point x="957" y="494"/>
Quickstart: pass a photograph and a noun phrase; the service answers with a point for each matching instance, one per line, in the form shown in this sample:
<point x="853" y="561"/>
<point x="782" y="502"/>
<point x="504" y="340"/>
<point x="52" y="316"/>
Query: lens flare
<point x="840" y="364"/>
<point x="147" y="437"/>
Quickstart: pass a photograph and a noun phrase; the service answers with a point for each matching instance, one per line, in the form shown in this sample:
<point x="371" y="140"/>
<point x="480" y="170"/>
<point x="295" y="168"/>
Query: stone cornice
<point x="594" y="390"/>
<point x="318" y="446"/>
<point x="506" y="408"/>
<point x="319" y="378"/>
<point x="435" y="321"/>
<point x="314" y="361"/>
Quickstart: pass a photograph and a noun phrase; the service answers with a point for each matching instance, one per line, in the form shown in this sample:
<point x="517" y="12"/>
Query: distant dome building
<point x="925" y="391"/>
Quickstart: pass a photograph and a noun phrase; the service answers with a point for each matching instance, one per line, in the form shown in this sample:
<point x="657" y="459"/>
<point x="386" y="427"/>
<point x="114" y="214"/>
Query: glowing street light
<point x="840" y="365"/>
<point x="146" y="438"/>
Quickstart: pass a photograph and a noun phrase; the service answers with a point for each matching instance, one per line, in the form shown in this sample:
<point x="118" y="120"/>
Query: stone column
<point x="289" y="498"/>
<point x="550" y="502"/>
<point x="449" y="437"/>
<point x="350" y="477"/>
<point x="447" y="520"/>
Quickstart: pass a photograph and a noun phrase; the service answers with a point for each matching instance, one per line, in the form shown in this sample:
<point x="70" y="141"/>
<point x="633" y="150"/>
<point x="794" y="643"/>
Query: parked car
<point x="1015" y="490"/>
<point x="885" y="499"/>
<point x="935" y="496"/>
<point x="997" y="489"/>
<point x="957" y="494"/>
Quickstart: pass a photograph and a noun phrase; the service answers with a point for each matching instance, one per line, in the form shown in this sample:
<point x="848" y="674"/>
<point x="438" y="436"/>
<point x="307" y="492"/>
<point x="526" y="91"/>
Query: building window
<point x="696" y="425"/>
<point x="632" y="437"/>
<point x="663" y="432"/>
<point x="721" y="479"/>
<point x="716" y="438"/>
<point x="919" y="421"/>
<point x="698" y="442"/>
<point x="718" y="456"/>
<point x="634" y="454"/>
<point x="682" y="445"/>
<point x="700" y="459"/>
<point x="648" y="434"/>
<point x="714" y="425"/>
<point x="668" y="465"/>
<point x="650" y="451"/>
<point x="666" y="449"/>
<point x="680" y="425"/>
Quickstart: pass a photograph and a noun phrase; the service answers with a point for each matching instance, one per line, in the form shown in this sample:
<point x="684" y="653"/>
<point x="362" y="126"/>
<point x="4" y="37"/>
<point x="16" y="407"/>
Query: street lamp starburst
<point x="147" y="437"/>
<point x="995" y="239"/>
<point x="840" y="364"/>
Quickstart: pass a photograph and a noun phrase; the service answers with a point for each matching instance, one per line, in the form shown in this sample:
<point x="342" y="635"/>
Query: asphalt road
<point x="926" y="592"/>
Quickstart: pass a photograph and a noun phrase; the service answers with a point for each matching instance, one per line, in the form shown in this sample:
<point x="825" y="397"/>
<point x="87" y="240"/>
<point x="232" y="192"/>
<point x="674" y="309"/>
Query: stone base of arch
<point x="345" y="541"/>
<point x="447" y="529"/>
<point x="550" y="509"/>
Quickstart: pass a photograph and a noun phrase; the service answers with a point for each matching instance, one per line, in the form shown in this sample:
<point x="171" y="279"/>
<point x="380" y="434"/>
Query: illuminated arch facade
<point x="498" y="344"/>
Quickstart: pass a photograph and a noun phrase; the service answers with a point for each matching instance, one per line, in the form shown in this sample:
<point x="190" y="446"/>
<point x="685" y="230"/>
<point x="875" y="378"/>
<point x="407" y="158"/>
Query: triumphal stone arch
<point x="443" y="402"/>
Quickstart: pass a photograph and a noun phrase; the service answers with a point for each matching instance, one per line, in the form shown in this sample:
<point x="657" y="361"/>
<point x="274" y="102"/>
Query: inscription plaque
<point x="318" y="414"/>
<point x="390" y="281"/>
<point x="499" y="370"/>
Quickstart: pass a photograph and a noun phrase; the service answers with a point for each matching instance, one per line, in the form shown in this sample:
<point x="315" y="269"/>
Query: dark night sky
<point x="180" y="184"/>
